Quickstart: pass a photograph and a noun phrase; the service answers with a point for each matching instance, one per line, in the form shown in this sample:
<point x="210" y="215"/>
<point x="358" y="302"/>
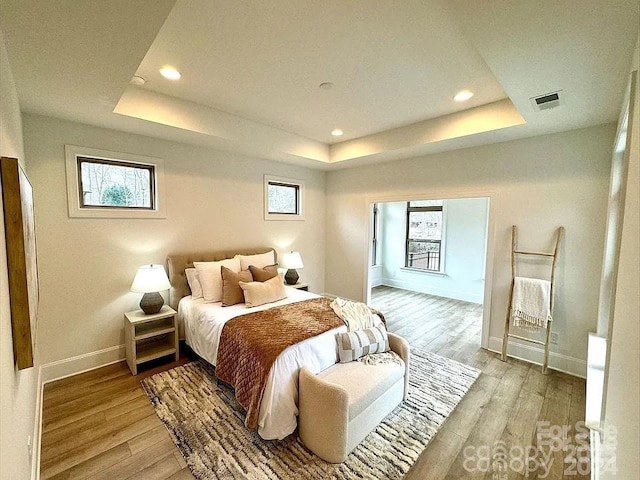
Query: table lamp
<point x="150" y="279"/>
<point x="291" y="261"/>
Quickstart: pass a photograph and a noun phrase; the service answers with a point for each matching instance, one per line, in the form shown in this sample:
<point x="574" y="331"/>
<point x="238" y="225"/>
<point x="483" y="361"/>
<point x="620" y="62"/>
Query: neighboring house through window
<point x="425" y="228"/>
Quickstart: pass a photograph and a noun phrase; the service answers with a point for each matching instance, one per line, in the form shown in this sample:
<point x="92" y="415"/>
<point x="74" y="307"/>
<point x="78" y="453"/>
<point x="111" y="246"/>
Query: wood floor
<point x="503" y="407"/>
<point x="100" y="424"/>
<point x="445" y="326"/>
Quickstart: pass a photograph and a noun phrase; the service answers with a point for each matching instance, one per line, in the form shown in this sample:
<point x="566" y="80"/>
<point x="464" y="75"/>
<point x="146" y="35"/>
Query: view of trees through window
<point x="113" y="184"/>
<point x="283" y="198"/>
<point x="424" y="234"/>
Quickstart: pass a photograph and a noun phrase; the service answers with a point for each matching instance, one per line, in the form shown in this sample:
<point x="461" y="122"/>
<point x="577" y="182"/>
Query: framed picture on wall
<point x="20" y="239"/>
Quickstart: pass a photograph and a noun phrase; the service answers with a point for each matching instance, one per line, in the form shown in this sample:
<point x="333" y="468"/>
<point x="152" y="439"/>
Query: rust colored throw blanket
<point x="249" y="344"/>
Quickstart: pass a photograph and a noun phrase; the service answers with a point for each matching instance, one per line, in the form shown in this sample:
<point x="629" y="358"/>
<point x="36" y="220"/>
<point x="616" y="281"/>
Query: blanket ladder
<point x="514" y="256"/>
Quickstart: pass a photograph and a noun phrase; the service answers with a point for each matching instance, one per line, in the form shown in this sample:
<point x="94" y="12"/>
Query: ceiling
<point x="251" y="71"/>
<point x="265" y="60"/>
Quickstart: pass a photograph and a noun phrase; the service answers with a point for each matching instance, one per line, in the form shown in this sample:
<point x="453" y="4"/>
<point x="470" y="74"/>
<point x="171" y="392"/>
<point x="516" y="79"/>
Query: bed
<point x="201" y="325"/>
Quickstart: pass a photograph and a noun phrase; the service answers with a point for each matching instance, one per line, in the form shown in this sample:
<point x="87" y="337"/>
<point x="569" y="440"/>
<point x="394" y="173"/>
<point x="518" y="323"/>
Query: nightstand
<point x="148" y="337"/>
<point x="301" y="286"/>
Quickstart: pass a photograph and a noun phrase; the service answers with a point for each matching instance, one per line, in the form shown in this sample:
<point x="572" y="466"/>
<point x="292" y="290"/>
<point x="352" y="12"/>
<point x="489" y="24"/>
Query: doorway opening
<point x="427" y="271"/>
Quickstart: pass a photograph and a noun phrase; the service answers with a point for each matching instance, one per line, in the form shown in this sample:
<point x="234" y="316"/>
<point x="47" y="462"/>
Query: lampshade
<point x="291" y="260"/>
<point x="150" y="278"/>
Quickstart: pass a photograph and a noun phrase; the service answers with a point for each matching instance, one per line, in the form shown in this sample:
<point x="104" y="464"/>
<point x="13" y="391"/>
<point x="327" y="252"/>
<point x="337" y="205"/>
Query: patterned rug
<point x="207" y="425"/>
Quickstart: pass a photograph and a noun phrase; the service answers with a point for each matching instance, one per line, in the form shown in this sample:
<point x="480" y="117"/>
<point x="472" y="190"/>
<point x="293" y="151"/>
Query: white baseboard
<point x="82" y="363"/>
<point x="529" y="353"/>
<point x="440" y="292"/>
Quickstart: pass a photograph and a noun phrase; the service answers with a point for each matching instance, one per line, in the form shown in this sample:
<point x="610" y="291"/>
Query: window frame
<point x="101" y="161"/>
<point x="284" y="182"/>
<point x="375" y="237"/>
<point x="296" y="189"/>
<point x="442" y="241"/>
<point x="75" y="154"/>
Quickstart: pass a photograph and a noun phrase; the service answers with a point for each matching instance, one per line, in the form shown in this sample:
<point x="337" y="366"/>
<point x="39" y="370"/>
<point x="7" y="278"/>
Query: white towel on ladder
<point x="531" y="303"/>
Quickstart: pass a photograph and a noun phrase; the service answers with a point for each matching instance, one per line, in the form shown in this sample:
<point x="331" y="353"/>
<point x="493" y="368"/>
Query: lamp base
<point x="151" y="303"/>
<point x="291" y="277"/>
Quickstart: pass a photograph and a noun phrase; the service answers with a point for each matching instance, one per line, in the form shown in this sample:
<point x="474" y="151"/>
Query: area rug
<point x="207" y="425"/>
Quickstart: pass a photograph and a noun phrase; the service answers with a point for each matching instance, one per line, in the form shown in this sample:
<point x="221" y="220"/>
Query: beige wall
<point x="622" y="411"/>
<point x="537" y="183"/>
<point x="18" y="389"/>
<point x="214" y="201"/>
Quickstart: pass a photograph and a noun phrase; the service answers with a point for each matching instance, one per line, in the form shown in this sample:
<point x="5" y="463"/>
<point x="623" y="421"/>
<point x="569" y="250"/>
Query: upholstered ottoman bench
<point x="341" y="405"/>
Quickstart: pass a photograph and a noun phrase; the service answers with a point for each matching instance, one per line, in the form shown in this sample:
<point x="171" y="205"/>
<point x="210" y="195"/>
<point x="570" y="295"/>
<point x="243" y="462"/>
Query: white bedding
<point x="203" y="324"/>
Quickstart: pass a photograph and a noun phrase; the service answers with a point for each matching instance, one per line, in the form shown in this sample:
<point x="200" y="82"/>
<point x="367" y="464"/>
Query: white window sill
<point x="425" y="272"/>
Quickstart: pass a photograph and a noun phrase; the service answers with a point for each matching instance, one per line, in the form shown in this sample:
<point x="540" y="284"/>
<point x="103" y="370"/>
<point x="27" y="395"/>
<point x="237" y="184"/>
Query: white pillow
<point x="259" y="260"/>
<point x="259" y="293"/>
<point x="211" y="278"/>
<point x="194" y="283"/>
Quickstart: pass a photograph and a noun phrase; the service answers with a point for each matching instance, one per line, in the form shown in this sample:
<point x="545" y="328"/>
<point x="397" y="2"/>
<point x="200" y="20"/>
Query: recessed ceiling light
<point x="138" y="80"/>
<point x="336" y="132"/>
<point x="463" y="95"/>
<point x="326" y="85"/>
<point x="170" y="73"/>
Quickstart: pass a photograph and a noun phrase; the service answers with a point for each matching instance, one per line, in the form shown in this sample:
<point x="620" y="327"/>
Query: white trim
<point x="596" y="360"/>
<point x="422" y="271"/>
<point x="487" y="305"/>
<point x="490" y="195"/>
<point x="301" y="198"/>
<point x="73" y="196"/>
<point x="81" y="363"/>
<point x="532" y="354"/>
<point x="36" y="441"/>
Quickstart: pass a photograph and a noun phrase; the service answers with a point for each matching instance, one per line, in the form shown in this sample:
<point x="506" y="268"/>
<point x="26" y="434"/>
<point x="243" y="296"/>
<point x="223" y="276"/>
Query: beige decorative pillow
<point x="356" y="344"/>
<point x="263" y="274"/>
<point x="194" y="283"/>
<point x="259" y="293"/>
<point x="231" y="291"/>
<point x="259" y="260"/>
<point x="211" y="278"/>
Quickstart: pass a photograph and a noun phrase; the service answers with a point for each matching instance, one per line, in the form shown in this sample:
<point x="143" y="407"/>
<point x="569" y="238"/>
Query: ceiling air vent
<point x="546" y="101"/>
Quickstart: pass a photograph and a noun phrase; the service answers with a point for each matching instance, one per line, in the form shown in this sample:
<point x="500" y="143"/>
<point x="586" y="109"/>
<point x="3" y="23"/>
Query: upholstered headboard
<point x="176" y="264"/>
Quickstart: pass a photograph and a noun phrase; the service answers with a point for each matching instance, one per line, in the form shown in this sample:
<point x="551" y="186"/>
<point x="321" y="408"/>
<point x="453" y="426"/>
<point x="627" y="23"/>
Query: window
<point x="374" y="237"/>
<point x="109" y="184"/>
<point x="115" y="185"/>
<point x="283" y="198"/>
<point x="425" y="223"/>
